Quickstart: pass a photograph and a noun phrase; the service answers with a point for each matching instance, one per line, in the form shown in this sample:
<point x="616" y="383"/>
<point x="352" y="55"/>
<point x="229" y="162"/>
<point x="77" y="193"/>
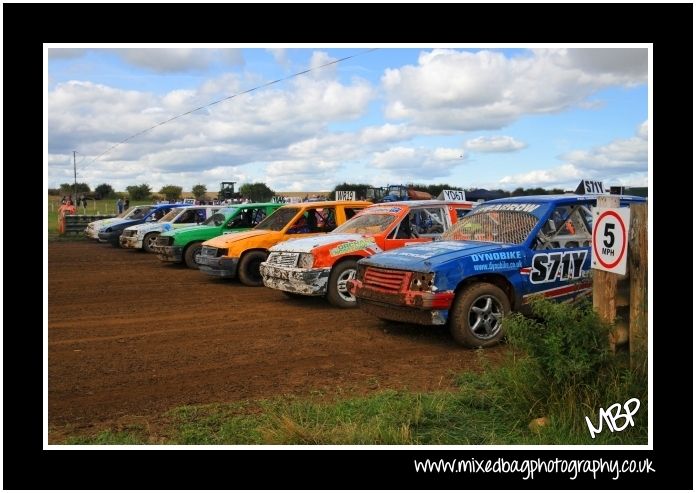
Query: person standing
<point x="119" y="205"/>
<point x="126" y="203"/>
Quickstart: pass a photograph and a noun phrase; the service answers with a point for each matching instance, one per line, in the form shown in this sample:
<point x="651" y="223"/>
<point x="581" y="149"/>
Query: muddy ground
<point x="131" y="337"/>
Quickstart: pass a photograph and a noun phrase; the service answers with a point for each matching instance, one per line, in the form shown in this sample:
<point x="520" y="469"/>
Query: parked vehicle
<point x="92" y="230"/>
<point x="185" y="244"/>
<point x="490" y="262"/>
<point x="321" y="266"/>
<point x="240" y="254"/>
<point x="141" y="214"/>
<point x="143" y="236"/>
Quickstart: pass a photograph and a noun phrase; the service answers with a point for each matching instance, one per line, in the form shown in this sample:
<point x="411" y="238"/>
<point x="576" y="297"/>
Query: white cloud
<point x="459" y="90"/>
<point x="419" y="162"/>
<point x="551" y="178"/>
<point x="280" y="55"/>
<point x="55" y="53"/>
<point x="167" y="59"/>
<point x="498" y="143"/>
<point x="267" y="130"/>
<point x="623" y="160"/>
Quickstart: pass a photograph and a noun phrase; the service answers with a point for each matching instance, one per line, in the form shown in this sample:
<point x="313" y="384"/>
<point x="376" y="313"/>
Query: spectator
<point x="119" y="205"/>
<point x="126" y="203"/>
<point x="63" y="200"/>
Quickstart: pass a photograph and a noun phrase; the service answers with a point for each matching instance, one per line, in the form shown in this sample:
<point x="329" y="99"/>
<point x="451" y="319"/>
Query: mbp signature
<point x="614" y="414"/>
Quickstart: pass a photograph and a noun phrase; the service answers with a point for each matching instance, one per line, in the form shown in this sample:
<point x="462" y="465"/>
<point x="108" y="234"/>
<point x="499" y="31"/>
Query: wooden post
<point x="638" y="272"/>
<point x="604" y="283"/>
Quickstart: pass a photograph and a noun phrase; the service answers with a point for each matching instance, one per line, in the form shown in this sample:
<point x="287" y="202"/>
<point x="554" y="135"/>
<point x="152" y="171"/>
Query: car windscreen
<point x="367" y="224"/>
<point x="278" y="220"/>
<point x="171" y="215"/>
<point x="493" y="226"/>
<point x="139" y="212"/>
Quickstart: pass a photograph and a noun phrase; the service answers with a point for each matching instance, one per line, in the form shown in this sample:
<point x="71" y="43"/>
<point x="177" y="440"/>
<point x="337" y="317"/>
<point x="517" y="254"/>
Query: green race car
<point x="183" y="245"/>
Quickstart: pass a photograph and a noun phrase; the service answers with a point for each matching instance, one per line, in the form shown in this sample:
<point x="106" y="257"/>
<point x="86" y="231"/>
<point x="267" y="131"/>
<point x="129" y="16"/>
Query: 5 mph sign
<point x="610" y="239"/>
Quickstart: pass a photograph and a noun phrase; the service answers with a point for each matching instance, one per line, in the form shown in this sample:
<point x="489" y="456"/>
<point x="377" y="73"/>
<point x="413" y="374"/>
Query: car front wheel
<point x="476" y="317"/>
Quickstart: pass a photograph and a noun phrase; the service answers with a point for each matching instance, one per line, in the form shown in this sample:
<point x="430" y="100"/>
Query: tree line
<point x="259" y="192"/>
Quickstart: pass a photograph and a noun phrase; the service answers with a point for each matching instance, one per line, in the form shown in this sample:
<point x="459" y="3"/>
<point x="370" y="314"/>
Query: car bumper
<point x="131" y="242"/>
<point x="419" y="307"/>
<point x="310" y="282"/>
<point x="225" y="267"/>
<point x="112" y="237"/>
<point x="170" y="253"/>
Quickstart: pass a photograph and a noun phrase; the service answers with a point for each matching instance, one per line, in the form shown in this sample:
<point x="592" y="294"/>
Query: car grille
<point x="284" y="259"/>
<point x="164" y="240"/>
<point x="385" y="279"/>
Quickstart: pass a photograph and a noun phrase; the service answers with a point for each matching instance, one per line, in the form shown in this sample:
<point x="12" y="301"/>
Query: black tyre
<point x="190" y="254"/>
<point x="249" y="269"/>
<point x="149" y="242"/>
<point x="476" y="316"/>
<point x="337" y="292"/>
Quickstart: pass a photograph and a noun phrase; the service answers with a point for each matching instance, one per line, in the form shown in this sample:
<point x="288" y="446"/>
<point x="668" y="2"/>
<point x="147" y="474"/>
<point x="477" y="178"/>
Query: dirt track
<point x="130" y="336"/>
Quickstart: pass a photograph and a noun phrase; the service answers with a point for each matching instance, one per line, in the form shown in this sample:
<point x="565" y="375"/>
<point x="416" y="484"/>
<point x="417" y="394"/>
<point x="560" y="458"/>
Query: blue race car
<point x="139" y="215"/>
<point x="490" y="262"/>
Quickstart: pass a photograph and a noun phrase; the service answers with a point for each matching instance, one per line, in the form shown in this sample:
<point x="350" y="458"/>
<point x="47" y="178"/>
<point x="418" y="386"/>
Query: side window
<point x="428" y="221"/>
<point x="350" y="212"/>
<point x="187" y="217"/>
<point x="567" y="227"/>
<point x="404" y="230"/>
<point x="461" y="213"/>
<point x="257" y="215"/>
<point x="301" y="224"/>
<point x="326" y="220"/>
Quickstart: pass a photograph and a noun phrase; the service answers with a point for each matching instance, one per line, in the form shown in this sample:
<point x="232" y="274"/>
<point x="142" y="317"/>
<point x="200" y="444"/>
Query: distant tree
<point x="256" y="192"/>
<point x="171" y="192"/>
<point x="360" y="189"/>
<point x="139" y="192"/>
<point x="199" y="191"/>
<point x="104" y="191"/>
<point x="69" y="188"/>
<point x="517" y="192"/>
<point x="54" y="191"/>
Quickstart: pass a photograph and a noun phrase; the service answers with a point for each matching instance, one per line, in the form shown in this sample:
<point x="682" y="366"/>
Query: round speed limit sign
<point x="610" y="239"/>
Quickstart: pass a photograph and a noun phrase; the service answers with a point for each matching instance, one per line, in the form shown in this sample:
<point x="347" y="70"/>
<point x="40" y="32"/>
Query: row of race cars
<point x="487" y="260"/>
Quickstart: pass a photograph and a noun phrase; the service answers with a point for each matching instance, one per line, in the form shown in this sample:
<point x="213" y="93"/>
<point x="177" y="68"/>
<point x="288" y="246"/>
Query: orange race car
<point x="322" y="266"/>
<point x="240" y="254"/>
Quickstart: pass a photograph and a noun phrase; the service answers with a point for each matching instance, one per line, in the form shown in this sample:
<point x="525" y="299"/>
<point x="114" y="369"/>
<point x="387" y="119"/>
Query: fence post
<point x="638" y="272"/>
<point x="604" y="283"/>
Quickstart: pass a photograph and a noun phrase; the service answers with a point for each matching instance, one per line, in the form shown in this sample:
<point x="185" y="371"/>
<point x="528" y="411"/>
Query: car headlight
<point x="422" y="282"/>
<point x="107" y="230"/>
<point x="306" y="261"/>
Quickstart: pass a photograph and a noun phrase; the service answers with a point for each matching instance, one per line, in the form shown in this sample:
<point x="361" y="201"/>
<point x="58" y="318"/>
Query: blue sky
<point x="493" y="118"/>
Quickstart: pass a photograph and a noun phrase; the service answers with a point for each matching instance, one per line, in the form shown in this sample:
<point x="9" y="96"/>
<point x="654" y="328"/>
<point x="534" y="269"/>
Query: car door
<point x="560" y="259"/>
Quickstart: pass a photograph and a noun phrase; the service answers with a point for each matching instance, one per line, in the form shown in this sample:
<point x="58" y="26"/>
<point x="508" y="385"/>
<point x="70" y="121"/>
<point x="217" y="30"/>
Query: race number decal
<point x="560" y="266"/>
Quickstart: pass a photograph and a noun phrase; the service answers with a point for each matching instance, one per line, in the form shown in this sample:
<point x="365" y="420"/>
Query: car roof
<point x="568" y="198"/>
<point x="418" y="203"/>
<point x="328" y="203"/>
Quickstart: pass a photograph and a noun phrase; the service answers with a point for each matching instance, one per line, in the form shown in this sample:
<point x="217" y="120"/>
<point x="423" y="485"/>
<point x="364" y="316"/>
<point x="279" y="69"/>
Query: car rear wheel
<point x="476" y="316"/>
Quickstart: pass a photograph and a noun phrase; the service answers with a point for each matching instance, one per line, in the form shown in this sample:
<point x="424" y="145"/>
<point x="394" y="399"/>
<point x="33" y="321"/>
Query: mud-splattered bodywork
<point x="526" y="246"/>
<point x="304" y="266"/>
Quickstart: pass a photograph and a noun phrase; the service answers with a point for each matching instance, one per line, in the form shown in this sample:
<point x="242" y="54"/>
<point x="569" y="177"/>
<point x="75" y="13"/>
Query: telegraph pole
<point x="75" y="172"/>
